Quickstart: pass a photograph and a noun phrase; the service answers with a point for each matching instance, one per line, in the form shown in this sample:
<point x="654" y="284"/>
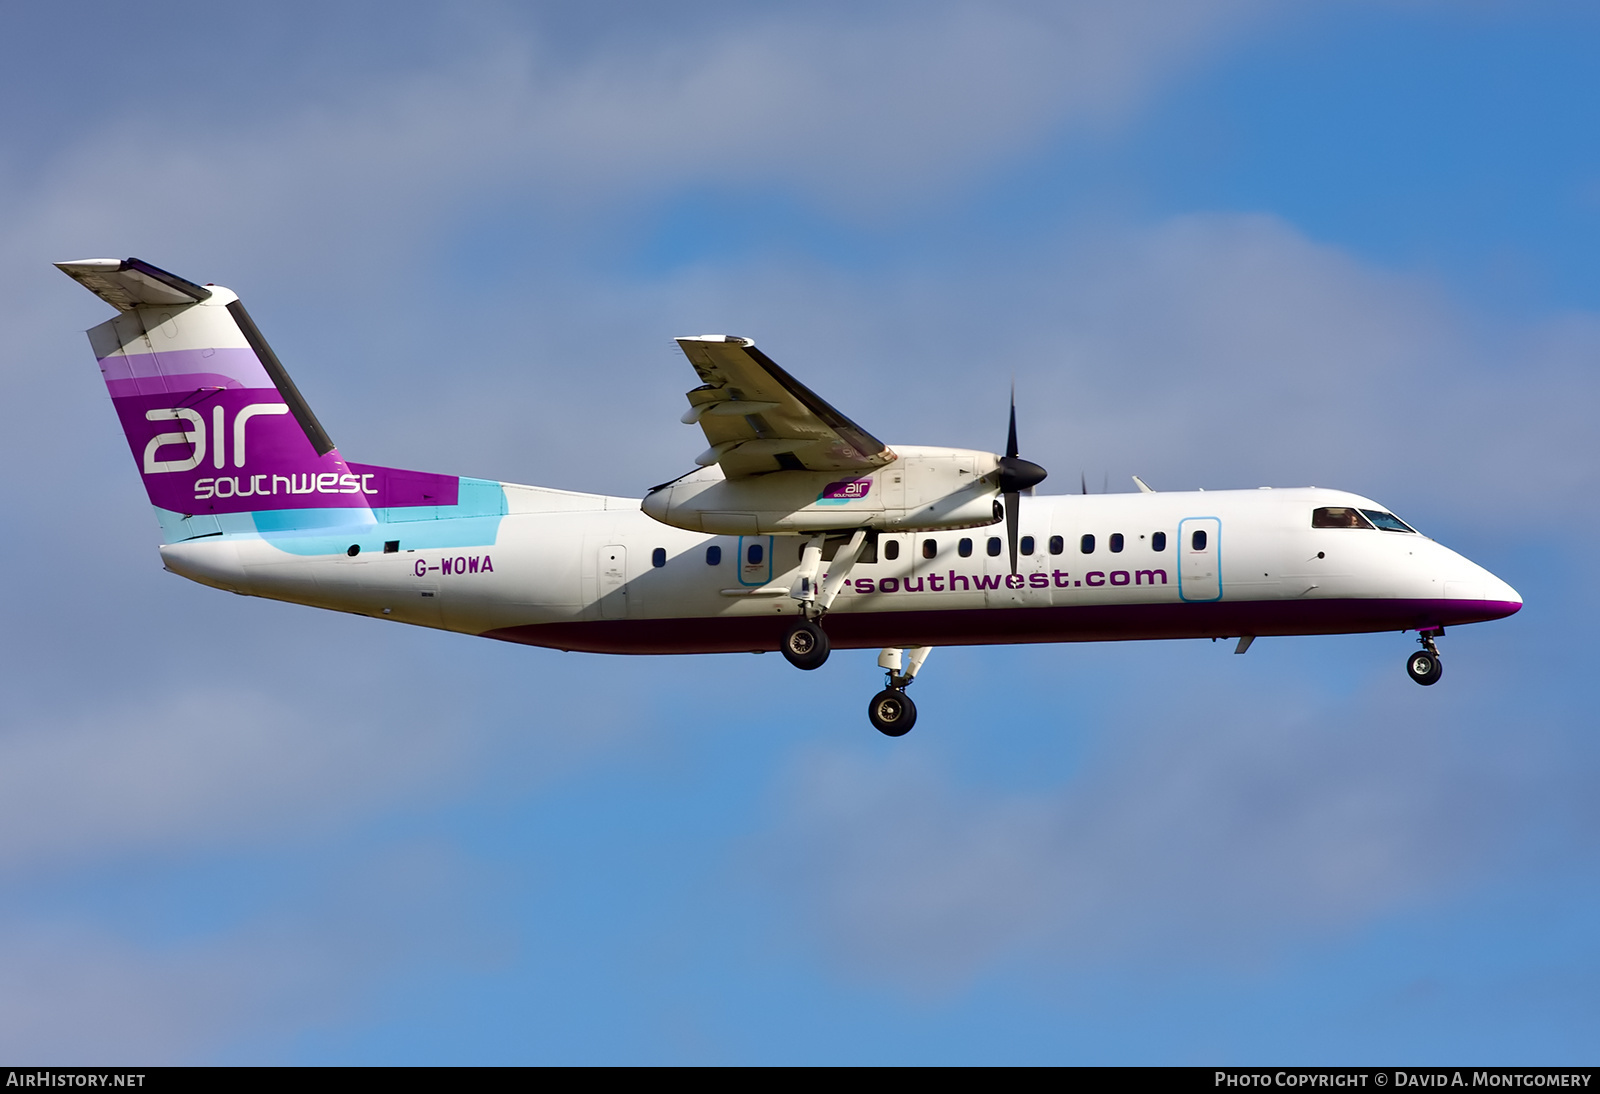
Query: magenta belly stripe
<point x="991" y="626"/>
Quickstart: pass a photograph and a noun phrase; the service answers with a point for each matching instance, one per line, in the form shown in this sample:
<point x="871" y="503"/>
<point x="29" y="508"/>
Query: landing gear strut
<point x="1424" y="666"/>
<point x="891" y="711"/>
<point x="805" y="645"/>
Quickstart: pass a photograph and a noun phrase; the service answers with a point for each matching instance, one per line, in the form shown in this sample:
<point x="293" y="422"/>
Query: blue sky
<point x="1217" y="245"/>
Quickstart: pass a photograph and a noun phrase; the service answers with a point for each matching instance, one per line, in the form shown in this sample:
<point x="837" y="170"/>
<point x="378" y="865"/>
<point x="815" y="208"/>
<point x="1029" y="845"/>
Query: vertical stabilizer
<point x="215" y="425"/>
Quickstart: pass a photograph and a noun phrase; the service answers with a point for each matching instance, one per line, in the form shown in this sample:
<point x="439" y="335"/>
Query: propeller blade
<point x="1013" y="517"/>
<point x="1011" y="437"/>
<point x="1083" y="481"/>
<point x="1016" y="476"/>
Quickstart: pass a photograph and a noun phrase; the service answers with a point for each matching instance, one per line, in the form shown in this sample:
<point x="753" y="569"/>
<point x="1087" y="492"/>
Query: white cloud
<point x="204" y="768"/>
<point x="1214" y="830"/>
<point x="74" y="990"/>
<point x="864" y="113"/>
<point x="306" y="724"/>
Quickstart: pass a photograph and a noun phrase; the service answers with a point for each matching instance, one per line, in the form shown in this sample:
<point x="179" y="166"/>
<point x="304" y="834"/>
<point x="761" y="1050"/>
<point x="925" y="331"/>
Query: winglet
<point x="127" y="283"/>
<point x="1143" y="489"/>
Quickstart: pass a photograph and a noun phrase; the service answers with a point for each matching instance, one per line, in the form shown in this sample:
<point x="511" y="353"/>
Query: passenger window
<point x="658" y="557"/>
<point x="964" y="548"/>
<point x="891" y="549"/>
<point x="930" y="548"/>
<point x="1027" y="545"/>
<point x="1198" y="541"/>
<point x="1086" y="545"/>
<point x="994" y="546"/>
<point x="753" y="554"/>
<point x="1158" y="542"/>
<point x="713" y="555"/>
<point x="1057" y="545"/>
<point x="1116" y="542"/>
<point x="1338" y="516"/>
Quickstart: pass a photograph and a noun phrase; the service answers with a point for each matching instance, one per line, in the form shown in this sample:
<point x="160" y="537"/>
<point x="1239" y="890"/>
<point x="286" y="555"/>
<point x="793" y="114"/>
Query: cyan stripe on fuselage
<point x="474" y="521"/>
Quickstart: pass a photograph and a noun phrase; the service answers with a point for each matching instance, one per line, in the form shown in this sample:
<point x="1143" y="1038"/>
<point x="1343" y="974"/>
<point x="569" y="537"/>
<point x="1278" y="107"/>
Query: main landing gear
<point x="891" y="711"/>
<point x="805" y="645"/>
<point x="1424" y="666"/>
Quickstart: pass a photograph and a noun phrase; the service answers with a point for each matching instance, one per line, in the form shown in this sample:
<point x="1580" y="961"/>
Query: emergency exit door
<point x="613" y="582"/>
<point x="1200" y="558"/>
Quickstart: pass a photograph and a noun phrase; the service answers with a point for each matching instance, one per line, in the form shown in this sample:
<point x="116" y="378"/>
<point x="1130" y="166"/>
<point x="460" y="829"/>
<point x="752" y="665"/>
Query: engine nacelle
<point x="924" y="489"/>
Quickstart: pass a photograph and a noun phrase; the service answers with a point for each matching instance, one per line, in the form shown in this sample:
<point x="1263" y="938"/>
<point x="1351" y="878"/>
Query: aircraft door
<point x="613" y="581"/>
<point x="755" y="560"/>
<point x="1200" y="559"/>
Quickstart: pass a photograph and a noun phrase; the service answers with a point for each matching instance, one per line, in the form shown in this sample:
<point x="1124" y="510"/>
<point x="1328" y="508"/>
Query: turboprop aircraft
<point x="798" y="531"/>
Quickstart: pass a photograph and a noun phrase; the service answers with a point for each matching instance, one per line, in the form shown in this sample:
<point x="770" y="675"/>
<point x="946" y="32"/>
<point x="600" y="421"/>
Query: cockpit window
<point x="1388" y="521"/>
<point x="1339" y="516"/>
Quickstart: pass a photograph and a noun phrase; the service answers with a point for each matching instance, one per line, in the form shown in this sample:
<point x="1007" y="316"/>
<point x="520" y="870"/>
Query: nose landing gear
<point x="1424" y="666"/>
<point x="891" y="711"/>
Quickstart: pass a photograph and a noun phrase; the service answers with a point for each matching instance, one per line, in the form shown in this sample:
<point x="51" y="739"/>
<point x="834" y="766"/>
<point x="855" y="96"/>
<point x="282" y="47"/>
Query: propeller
<point x="1016" y="475"/>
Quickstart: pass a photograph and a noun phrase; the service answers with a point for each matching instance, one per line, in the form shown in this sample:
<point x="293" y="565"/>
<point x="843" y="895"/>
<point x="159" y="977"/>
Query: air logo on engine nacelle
<point x="837" y="493"/>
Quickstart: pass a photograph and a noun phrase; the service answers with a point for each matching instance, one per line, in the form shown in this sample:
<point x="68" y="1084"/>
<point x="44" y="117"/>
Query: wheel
<point x="1424" y="667"/>
<point x="806" y="645"/>
<point x="892" y="712"/>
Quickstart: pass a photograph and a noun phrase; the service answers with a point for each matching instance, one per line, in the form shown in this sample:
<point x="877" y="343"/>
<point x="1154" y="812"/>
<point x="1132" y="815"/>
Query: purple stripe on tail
<point x="171" y="372"/>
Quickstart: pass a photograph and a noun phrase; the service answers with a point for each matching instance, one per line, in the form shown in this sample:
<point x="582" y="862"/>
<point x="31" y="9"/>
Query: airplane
<point x="797" y="530"/>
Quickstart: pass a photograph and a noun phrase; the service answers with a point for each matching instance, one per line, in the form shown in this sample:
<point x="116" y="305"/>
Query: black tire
<point x="805" y="646"/>
<point x="892" y="712"/>
<point x="1424" y="667"/>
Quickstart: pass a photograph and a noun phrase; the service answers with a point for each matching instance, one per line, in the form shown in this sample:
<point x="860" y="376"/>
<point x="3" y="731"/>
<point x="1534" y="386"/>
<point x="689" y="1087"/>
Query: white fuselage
<point x="578" y="571"/>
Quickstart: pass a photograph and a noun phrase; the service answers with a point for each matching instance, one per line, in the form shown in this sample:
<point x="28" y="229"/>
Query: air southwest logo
<point x="954" y="582"/>
<point x="837" y="493"/>
<point x="245" y="486"/>
<point x="196" y="437"/>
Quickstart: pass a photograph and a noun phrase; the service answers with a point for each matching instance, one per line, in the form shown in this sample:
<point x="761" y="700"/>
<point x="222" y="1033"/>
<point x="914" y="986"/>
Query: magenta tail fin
<point x="214" y="422"/>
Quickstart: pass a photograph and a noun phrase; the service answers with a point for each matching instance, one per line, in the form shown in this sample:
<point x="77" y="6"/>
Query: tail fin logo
<point x="196" y="441"/>
<point x="195" y="437"/>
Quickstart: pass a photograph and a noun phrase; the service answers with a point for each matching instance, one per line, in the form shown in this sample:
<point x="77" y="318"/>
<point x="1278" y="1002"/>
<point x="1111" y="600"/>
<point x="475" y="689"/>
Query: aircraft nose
<point x="1503" y="593"/>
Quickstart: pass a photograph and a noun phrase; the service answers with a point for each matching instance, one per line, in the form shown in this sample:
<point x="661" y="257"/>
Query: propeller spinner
<point x="1016" y="475"/>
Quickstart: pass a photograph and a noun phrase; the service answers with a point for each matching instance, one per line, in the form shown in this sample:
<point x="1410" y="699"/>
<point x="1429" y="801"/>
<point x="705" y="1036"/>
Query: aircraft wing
<point x="757" y="418"/>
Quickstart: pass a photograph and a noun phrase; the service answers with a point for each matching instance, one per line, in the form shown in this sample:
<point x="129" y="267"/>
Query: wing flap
<point x="758" y="419"/>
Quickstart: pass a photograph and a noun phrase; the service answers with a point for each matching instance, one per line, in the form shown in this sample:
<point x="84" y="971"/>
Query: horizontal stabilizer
<point x="127" y="283"/>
